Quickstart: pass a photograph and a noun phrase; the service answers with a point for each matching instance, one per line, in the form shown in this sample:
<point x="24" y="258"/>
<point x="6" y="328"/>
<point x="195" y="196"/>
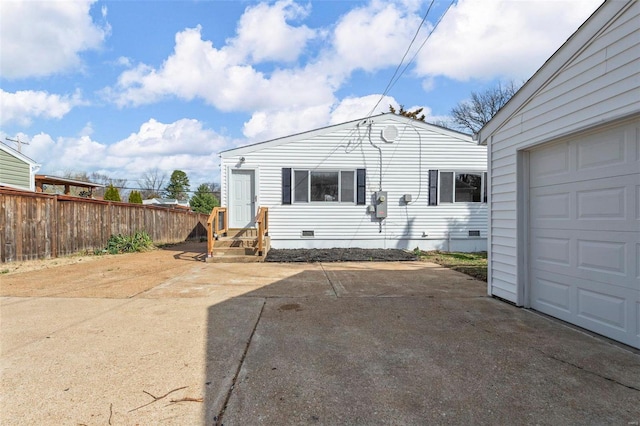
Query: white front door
<point x="585" y="233"/>
<point x="242" y="206"/>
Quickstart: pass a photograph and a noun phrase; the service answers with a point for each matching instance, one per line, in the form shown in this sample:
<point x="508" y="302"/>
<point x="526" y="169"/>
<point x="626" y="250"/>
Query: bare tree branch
<point x="474" y="113"/>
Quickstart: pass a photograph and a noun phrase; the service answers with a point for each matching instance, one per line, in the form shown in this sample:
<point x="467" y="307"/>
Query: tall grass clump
<point x="140" y="241"/>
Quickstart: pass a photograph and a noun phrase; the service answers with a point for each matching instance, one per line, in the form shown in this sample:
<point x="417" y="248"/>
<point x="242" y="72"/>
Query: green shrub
<point x="112" y="194"/>
<point x="140" y="241"/>
<point x="135" y="197"/>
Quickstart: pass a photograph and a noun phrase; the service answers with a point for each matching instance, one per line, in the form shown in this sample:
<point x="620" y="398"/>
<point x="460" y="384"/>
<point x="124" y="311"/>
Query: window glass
<point x="324" y="186"/>
<point x="446" y="187"/>
<point x="346" y="187"/>
<point x="468" y="187"/>
<point x="301" y="192"/>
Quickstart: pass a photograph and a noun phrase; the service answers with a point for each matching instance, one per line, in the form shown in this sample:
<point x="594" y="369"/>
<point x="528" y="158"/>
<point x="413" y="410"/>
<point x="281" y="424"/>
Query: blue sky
<point x="122" y="87"/>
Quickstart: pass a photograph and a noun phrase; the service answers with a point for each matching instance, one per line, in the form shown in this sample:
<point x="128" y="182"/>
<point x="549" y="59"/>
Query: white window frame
<point x="483" y="180"/>
<point x="339" y="172"/>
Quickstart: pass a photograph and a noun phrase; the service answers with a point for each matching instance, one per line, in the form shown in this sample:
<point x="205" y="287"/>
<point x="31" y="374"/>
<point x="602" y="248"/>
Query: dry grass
<point x="473" y="264"/>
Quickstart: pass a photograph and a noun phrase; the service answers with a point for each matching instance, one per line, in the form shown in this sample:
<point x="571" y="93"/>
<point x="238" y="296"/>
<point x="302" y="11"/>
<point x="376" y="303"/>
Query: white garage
<point x="564" y="181"/>
<point x="584" y="232"/>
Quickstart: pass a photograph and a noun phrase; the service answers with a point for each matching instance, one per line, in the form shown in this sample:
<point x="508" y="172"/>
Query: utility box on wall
<point x="381" y="204"/>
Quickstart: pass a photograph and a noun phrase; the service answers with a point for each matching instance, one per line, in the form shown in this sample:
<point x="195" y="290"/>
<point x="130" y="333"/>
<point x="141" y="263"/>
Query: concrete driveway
<point x="163" y="338"/>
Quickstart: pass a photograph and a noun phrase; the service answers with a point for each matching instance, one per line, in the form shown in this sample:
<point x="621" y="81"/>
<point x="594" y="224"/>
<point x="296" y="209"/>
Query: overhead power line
<point x="18" y="142"/>
<point x="395" y="77"/>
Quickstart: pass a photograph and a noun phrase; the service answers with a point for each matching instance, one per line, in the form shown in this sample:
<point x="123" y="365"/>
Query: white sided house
<point x="564" y="172"/>
<point x="386" y="181"/>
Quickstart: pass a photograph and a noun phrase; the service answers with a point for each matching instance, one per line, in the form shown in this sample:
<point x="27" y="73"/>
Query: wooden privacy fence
<point x="36" y="226"/>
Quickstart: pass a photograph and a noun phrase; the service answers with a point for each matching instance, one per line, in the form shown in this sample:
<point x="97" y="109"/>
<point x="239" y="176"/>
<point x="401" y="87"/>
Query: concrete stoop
<point x="238" y="246"/>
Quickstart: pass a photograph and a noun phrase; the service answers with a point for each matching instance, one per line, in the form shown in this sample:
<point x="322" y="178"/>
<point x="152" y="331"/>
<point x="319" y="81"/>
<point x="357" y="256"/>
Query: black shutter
<point x="433" y="187"/>
<point x="286" y="186"/>
<point x="361" y="185"/>
<point x="486" y="182"/>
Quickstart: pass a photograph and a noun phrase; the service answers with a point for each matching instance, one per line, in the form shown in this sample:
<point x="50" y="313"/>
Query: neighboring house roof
<point x="325" y="130"/>
<point x="167" y="202"/>
<point x="19" y="155"/>
<point x="597" y="23"/>
<point x="55" y="180"/>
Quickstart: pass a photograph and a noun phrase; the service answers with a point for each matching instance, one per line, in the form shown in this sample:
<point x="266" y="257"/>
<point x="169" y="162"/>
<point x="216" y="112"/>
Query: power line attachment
<point x="18" y="142"/>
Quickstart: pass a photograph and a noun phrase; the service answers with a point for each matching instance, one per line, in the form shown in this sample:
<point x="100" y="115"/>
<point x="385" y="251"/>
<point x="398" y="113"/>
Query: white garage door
<point x="585" y="231"/>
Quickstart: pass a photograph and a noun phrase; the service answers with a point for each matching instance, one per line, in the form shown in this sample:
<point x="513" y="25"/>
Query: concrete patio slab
<point x="428" y="361"/>
<point x="354" y="343"/>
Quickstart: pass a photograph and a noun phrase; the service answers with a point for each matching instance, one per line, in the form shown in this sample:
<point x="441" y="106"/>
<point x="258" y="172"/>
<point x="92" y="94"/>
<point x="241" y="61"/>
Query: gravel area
<point x="339" y="255"/>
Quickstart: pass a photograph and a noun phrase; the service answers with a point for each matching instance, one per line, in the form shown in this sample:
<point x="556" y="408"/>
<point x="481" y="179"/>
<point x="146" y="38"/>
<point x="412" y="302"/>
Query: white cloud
<point x="366" y="38"/>
<point x="500" y="38"/>
<point x="185" y="136"/>
<point x="40" y="38"/>
<point x="184" y="144"/>
<point x="198" y="70"/>
<point x="270" y="124"/>
<point x="353" y="108"/>
<point x="263" y="33"/>
<point x="374" y="36"/>
<point x="265" y="125"/>
<point x="23" y="106"/>
<point x="492" y="39"/>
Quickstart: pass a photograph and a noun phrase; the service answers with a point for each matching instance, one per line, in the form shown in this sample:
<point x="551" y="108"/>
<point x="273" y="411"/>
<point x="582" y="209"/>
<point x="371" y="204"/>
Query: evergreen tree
<point x="178" y="186"/>
<point x="203" y="201"/>
<point x="112" y="194"/>
<point x="416" y="115"/>
<point x="135" y="197"/>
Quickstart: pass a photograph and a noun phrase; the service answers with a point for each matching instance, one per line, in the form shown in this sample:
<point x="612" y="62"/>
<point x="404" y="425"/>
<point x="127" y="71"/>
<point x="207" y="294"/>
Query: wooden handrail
<point x="213" y="227"/>
<point x="262" y="220"/>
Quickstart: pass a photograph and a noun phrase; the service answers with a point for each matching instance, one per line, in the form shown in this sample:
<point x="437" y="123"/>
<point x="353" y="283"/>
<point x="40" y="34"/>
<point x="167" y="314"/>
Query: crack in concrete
<point x="590" y="372"/>
<point x="331" y="283"/>
<point x="217" y="420"/>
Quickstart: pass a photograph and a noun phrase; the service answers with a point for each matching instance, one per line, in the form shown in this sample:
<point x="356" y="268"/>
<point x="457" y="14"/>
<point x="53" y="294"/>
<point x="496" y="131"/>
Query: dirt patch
<point x="110" y="276"/>
<point x="339" y="255"/>
<point x="11" y="268"/>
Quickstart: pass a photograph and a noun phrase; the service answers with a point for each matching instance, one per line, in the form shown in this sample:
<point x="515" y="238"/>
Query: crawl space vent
<point x="308" y="233"/>
<point x="474" y="233"/>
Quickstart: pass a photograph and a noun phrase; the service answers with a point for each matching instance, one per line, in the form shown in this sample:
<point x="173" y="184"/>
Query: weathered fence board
<point x="37" y="226"/>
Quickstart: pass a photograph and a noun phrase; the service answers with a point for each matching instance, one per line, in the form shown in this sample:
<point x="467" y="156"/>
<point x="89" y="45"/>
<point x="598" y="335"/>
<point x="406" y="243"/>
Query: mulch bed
<point x="339" y="255"/>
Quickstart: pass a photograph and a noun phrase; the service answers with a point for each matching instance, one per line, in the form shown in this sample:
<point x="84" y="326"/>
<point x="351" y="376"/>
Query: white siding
<point x="601" y="83"/>
<point x="405" y="170"/>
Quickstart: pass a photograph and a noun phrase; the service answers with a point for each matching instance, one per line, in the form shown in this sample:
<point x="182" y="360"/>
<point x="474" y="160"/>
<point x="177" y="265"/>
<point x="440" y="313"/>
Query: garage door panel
<point x="551" y="249"/>
<point x="584" y="231"/>
<point x="603" y="149"/>
<point x="588" y="157"/>
<point x="602" y="308"/>
<point x="551" y="206"/>
<point x="550" y="163"/>
<point x="552" y="296"/>
<point x="607" y="257"/>
<point x="613" y="312"/>
<point x="602" y="204"/>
